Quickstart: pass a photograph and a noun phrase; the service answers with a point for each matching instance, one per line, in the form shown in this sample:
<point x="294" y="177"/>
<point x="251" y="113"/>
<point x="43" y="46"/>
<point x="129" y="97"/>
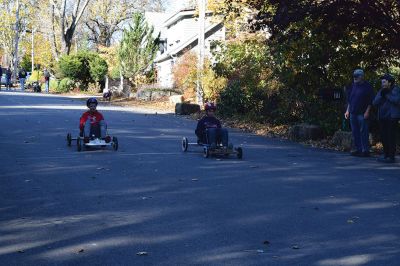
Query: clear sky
<point x="175" y="5"/>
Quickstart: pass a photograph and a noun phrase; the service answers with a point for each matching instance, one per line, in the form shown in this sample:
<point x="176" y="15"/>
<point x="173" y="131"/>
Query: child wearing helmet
<point x="209" y="128"/>
<point x="92" y="122"/>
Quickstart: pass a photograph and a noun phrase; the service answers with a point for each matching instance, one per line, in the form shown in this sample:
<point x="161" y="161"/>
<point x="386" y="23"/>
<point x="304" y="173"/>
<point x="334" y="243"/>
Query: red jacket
<point x="94" y="118"/>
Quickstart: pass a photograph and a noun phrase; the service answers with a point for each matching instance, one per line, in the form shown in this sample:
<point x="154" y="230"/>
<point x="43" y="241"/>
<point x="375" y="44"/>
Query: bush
<point x="185" y="78"/>
<point x="35" y="76"/>
<point x="83" y="67"/>
<point x="65" y="85"/>
<point x="252" y="90"/>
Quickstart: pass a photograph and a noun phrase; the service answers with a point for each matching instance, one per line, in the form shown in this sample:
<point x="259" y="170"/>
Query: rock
<point x="343" y="140"/>
<point x="186" y="108"/>
<point x="305" y="132"/>
<point x="174" y="99"/>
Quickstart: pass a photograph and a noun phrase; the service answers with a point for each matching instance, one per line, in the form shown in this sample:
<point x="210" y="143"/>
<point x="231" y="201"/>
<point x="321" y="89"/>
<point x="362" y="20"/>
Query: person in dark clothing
<point x="1" y="74"/>
<point x="8" y="78"/>
<point x="388" y="102"/>
<point x="359" y="102"/>
<point x="22" y="77"/>
<point x="209" y="128"/>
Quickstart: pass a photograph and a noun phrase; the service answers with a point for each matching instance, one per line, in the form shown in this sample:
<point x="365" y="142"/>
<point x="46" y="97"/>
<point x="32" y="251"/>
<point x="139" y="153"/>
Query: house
<point x="178" y="35"/>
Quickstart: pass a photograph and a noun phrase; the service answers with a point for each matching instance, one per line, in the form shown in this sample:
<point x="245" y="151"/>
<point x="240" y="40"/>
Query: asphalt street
<point x="151" y="204"/>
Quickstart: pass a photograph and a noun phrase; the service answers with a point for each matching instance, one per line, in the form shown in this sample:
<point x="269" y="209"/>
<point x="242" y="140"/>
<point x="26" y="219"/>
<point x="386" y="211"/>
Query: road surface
<point x="283" y="204"/>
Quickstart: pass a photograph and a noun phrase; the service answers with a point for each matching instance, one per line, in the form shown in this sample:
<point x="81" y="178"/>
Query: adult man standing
<point x="22" y="76"/>
<point x="388" y="102"/>
<point x="46" y="74"/>
<point x="8" y="78"/>
<point x="1" y="75"/>
<point x="359" y="101"/>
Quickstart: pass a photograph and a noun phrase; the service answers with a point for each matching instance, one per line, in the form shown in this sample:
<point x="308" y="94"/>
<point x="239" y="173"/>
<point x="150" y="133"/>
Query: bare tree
<point x="67" y="16"/>
<point x="105" y="18"/>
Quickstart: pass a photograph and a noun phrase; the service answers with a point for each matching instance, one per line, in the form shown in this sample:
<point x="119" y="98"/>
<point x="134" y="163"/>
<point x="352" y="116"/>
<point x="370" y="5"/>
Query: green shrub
<point x="83" y="67"/>
<point x="35" y="76"/>
<point x="65" y="85"/>
<point x="54" y="85"/>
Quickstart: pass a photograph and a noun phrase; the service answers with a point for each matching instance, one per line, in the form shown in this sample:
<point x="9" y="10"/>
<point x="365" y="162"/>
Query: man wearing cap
<point x="359" y="101"/>
<point x="388" y="102"/>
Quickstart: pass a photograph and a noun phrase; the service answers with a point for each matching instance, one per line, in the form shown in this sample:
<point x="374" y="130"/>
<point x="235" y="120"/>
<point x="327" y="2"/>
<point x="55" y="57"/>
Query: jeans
<point x="99" y="129"/>
<point x="388" y="129"/>
<point x="217" y="135"/>
<point x="46" y="86"/>
<point x="8" y="83"/>
<point x="22" y="83"/>
<point x="359" y="128"/>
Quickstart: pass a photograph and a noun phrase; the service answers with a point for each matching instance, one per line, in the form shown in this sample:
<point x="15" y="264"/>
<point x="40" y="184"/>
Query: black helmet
<point x="389" y="78"/>
<point x="91" y="100"/>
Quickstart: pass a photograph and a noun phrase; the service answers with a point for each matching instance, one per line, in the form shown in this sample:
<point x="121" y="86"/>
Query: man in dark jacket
<point x="388" y="102"/>
<point x="209" y="128"/>
<point x="8" y="78"/>
<point x="1" y="74"/>
<point x="359" y="99"/>
<point x="22" y="76"/>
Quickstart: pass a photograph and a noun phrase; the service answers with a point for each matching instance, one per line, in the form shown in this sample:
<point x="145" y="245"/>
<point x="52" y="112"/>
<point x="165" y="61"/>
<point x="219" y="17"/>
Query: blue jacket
<point x="388" y="103"/>
<point x="359" y="97"/>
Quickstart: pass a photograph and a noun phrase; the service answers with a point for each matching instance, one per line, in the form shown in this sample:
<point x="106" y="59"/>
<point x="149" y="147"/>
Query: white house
<point x="179" y="34"/>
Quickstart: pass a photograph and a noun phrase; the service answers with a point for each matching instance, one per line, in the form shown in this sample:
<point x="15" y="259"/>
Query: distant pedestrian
<point x="1" y="75"/>
<point x="8" y="78"/>
<point x="359" y="101"/>
<point x="22" y="77"/>
<point x="388" y="102"/>
<point x="46" y="74"/>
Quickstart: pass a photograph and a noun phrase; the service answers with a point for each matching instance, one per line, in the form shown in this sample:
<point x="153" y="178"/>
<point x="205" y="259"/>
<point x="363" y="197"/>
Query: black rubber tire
<point x="239" y="153"/>
<point x="115" y="143"/>
<point x="69" y="139"/>
<point x="206" y="152"/>
<point x="184" y="144"/>
<point x="79" y="144"/>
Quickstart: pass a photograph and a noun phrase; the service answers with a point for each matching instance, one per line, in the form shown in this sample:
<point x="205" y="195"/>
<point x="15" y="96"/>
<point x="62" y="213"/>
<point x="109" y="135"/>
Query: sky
<point x="175" y="5"/>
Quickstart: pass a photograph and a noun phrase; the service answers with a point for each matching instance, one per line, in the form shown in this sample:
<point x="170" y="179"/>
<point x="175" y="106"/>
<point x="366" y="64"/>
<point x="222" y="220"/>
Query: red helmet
<point x="210" y="106"/>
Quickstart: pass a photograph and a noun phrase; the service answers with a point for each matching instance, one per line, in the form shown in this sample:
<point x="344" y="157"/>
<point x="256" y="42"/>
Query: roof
<point x="212" y="28"/>
<point x="179" y="15"/>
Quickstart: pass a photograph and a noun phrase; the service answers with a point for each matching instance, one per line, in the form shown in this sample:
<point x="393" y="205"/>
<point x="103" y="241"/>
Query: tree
<point x="138" y="48"/>
<point x="67" y="17"/>
<point x="105" y="18"/>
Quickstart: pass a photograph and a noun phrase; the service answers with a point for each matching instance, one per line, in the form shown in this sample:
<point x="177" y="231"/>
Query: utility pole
<point x="16" y="41"/>
<point x="200" y="64"/>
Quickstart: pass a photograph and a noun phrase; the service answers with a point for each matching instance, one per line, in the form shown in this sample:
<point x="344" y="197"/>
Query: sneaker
<point x="107" y="139"/>
<point x="382" y="159"/>
<point x="389" y="160"/>
<point x="365" y="154"/>
<point x="356" y="153"/>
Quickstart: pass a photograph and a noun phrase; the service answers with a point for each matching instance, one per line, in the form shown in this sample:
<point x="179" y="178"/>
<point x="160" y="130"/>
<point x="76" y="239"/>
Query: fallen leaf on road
<point x="295" y="247"/>
<point x="254" y="250"/>
<point x="350" y="221"/>
<point x="142" y="253"/>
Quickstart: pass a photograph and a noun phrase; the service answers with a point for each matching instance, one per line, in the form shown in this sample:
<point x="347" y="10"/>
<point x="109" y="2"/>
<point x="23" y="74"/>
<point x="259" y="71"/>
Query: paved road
<point x="62" y="207"/>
